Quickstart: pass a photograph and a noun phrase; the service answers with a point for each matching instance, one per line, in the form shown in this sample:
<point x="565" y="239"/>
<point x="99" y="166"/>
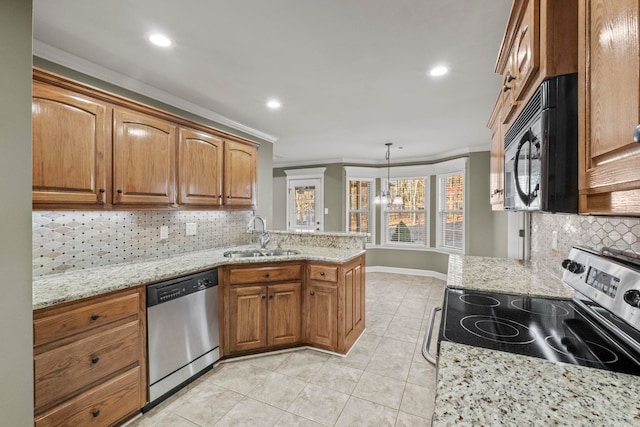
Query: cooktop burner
<point x="551" y="329"/>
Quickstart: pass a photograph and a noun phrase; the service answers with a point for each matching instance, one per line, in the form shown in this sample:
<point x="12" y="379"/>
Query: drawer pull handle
<point x="95" y="360"/>
<point x="322" y="273"/>
<point x="312" y="293"/>
<point x="95" y="316"/>
<point x="266" y="275"/>
<point x="95" y="413"/>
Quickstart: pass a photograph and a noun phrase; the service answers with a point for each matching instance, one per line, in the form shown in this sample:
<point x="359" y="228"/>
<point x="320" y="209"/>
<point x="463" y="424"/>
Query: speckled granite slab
<point x="477" y="386"/>
<point x="73" y="285"/>
<point x="504" y="276"/>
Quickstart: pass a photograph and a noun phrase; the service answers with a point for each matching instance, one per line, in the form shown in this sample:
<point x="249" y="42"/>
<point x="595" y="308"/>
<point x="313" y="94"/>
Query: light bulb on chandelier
<point x="384" y="197"/>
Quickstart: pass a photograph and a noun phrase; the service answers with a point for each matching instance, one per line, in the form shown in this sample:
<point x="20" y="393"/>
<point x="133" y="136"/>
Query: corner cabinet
<point x="609" y="103"/>
<point x="93" y="150"/>
<point x="89" y="360"/>
<point x="143" y="159"/>
<point x="70" y="140"/>
<point x="240" y="174"/>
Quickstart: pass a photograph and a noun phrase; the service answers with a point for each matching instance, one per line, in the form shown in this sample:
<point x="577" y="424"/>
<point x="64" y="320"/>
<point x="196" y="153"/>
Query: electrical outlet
<point x="164" y="232"/>
<point x="191" y="229"/>
<point x="554" y="240"/>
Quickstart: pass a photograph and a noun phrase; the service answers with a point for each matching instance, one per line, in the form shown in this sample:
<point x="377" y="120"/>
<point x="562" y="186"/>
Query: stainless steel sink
<point x="255" y="253"/>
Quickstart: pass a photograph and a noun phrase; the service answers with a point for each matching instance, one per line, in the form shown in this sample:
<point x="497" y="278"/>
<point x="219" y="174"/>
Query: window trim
<point x="384" y="243"/>
<point x="440" y="178"/>
<point x="372" y="210"/>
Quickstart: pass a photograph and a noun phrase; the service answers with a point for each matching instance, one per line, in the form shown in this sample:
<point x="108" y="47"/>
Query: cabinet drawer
<point x="100" y="406"/>
<point x="326" y="273"/>
<point x="64" y="370"/>
<point x="74" y="321"/>
<point x="264" y="274"/>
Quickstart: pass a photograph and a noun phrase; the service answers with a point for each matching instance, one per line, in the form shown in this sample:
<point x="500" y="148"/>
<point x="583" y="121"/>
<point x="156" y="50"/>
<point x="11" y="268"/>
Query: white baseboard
<point x="409" y="271"/>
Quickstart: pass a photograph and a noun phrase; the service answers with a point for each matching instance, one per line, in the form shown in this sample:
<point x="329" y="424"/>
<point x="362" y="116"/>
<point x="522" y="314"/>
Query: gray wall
<point x="486" y="230"/>
<point x="265" y="153"/>
<point x="16" y="369"/>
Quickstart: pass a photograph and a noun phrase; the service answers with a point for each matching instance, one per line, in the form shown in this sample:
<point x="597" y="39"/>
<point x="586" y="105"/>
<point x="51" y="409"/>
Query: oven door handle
<point x="427" y="338"/>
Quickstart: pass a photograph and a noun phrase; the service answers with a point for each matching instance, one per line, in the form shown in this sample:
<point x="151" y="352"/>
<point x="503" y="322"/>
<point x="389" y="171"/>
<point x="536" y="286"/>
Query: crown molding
<point x="61" y="57"/>
<point x="381" y="162"/>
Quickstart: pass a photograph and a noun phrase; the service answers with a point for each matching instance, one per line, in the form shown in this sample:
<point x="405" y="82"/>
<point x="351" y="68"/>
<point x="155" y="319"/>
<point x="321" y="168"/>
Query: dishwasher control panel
<point x="166" y="291"/>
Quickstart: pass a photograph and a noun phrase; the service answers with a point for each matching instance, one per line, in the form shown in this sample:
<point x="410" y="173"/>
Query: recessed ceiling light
<point x="274" y="104"/>
<point x="160" y="40"/>
<point x="440" y="70"/>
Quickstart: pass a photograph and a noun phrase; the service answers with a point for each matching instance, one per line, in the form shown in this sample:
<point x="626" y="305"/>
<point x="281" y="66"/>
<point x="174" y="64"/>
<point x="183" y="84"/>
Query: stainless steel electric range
<point x="598" y="328"/>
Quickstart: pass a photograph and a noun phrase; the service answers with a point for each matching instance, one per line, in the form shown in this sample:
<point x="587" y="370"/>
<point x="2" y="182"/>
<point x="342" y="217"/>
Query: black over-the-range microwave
<point x="541" y="150"/>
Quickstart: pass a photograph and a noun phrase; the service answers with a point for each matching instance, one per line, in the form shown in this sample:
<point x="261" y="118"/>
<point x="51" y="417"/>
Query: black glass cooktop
<point x="551" y="329"/>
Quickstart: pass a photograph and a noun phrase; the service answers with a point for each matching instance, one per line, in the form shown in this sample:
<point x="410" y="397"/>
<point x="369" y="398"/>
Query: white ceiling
<point x="351" y="74"/>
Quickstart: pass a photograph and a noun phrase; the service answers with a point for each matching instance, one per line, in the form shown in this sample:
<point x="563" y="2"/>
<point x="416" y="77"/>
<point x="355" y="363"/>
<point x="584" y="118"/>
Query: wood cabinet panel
<point x="69" y="143"/>
<point x="609" y="106"/>
<point x="60" y="372"/>
<point x="351" y="308"/>
<point x="240" y="174"/>
<point x="199" y="168"/>
<point x="67" y="322"/>
<point x="322" y="303"/>
<point x="526" y="49"/>
<point x="265" y="274"/>
<point x="247" y="318"/>
<point x="496" y="162"/>
<point x="104" y="405"/>
<point x="143" y="159"/>
<point x="283" y="314"/>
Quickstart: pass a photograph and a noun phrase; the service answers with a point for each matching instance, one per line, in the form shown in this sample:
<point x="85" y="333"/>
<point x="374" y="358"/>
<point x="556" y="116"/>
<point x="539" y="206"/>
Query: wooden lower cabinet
<point x="89" y="360"/>
<point x="247" y="318"/>
<point x="351" y="304"/>
<point x="321" y="308"/>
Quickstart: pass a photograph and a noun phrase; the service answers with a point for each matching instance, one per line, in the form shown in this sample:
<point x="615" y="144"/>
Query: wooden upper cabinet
<point x="70" y="135"/>
<point x="609" y="100"/>
<point x="496" y="164"/>
<point x="240" y="174"/>
<point x="199" y="168"/>
<point x="143" y="159"/>
<point x="540" y="41"/>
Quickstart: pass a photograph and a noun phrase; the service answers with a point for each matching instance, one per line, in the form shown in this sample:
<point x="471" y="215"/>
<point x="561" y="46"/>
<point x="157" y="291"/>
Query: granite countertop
<point x="505" y="276"/>
<point x="478" y="386"/>
<point x="74" y="285"/>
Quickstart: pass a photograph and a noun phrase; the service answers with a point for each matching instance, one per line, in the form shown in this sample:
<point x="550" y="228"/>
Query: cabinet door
<point x="240" y="172"/>
<point x="321" y="301"/>
<point x="69" y="146"/>
<point x="199" y="168"/>
<point x="351" y="304"/>
<point x="526" y="48"/>
<point x="143" y="159"/>
<point x="283" y="313"/>
<point x="247" y="318"/>
<point x="609" y="81"/>
<point x="496" y="163"/>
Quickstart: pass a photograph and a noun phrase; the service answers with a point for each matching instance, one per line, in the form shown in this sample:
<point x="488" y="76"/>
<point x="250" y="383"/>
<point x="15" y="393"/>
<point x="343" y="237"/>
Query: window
<point x="450" y="224"/>
<point x="305" y="202"/>
<point x="406" y="224"/>
<point x="359" y="212"/>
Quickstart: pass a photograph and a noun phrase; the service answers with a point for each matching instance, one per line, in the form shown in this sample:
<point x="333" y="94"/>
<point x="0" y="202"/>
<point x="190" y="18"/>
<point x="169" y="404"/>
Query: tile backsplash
<point x="73" y="240"/>
<point x="621" y="233"/>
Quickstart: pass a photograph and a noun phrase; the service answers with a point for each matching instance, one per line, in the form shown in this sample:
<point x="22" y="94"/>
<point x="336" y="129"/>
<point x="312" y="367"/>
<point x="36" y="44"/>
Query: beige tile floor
<point x="384" y="381"/>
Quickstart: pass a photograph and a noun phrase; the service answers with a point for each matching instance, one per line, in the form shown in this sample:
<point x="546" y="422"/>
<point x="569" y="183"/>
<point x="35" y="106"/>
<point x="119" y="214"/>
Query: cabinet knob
<point x="102" y="190"/>
<point x="95" y="413"/>
<point x="270" y="296"/>
<point x="220" y="196"/>
<point x="312" y="293"/>
<point x="264" y="297"/>
<point x="322" y="273"/>
<point x="510" y="78"/>
<point x="119" y="190"/>
<point x="228" y="196"/>
<point x="95" y="360"/>
<point x="95" y="316"/>
<point x="636" y="134"/>
<point x="506" y="88"/>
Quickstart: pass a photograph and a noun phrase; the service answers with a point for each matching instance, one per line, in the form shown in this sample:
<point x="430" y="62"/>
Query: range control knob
<point x="572" y="266"/>
<point x="632" y="298"/>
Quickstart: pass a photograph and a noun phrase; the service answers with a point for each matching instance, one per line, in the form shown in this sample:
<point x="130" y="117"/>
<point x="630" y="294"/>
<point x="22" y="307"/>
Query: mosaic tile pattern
<point x="74" y="240"/>
<point x="597" y="232"/>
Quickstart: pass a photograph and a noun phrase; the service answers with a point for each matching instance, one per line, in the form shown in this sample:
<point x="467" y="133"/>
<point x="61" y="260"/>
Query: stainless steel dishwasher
<point x="182" y="331"/>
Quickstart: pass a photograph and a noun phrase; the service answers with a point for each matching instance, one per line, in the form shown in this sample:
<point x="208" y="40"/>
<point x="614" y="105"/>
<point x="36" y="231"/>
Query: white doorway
<point x="305" y="205"/>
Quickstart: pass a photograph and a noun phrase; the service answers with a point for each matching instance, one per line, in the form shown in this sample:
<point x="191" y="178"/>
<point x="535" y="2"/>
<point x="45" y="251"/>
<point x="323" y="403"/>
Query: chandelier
<point x="385" y="197"/>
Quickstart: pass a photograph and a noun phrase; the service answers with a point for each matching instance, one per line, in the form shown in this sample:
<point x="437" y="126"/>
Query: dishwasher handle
<point x="427" y="338"/>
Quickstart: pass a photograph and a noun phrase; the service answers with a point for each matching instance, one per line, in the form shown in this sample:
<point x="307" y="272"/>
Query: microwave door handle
<point x="523" y="196"/>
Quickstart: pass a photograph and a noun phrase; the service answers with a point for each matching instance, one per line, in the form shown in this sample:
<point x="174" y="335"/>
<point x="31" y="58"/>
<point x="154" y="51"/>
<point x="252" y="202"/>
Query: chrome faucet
<point x="264" y="237"/>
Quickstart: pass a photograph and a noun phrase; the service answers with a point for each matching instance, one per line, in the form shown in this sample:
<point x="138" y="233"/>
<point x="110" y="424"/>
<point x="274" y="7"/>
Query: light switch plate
<point x="191" y="229"/>
<point x="164" y="232"/>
